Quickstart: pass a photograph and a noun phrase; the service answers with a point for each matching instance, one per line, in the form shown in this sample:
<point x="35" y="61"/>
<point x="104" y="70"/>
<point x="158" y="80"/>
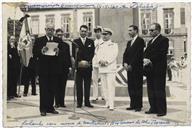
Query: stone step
<point x="120" y="90"/>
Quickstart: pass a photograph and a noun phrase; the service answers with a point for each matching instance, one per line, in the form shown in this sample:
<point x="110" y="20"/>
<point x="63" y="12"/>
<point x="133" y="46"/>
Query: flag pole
<point x="74" y="116"/>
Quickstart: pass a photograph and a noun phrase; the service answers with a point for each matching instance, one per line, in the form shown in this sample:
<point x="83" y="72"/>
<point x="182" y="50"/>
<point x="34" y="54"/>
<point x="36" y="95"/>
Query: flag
<point x="121" y="76"/>
<point x="25" y="43"/>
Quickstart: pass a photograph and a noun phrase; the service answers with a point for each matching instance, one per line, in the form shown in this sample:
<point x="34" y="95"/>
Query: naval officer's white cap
<point x="107" y="30"/>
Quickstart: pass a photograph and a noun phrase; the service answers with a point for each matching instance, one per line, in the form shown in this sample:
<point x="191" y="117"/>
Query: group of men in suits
<point x="53" y="68"/>
<point x="151" y="62"/>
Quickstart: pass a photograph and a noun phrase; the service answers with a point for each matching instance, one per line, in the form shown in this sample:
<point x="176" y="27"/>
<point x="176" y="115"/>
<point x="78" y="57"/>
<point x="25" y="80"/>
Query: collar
<point x="107" y="42"/>
<point x="83" y="38"/>
<point x="134" y="38"/>
<point x="49" y="38"/>
<point x="156" y="37"/>
<point x="99" y="41"/>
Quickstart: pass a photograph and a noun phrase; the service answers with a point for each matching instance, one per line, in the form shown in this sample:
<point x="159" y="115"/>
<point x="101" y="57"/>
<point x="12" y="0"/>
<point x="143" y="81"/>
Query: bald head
<point x="12" y="39"/>
<point x="49" y="29"/>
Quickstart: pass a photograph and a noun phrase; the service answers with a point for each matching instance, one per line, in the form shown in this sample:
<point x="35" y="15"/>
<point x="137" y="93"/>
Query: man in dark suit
<point x="155" y="55"/>
<point x="133" y="63"/>
<point x="84" y="65"/>
<point x="49" y="51"/>
<point x="13" y="68"/>
<point x="60" y="88"/>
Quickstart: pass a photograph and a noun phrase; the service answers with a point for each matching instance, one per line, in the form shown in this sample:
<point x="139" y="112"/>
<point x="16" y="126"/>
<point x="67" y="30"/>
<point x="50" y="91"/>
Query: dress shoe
<point x="18" y="96"/>
<point x="63" y="106"/>
<point x="57" y="106"/>
<point x="53" y="112"/>
<point x="161" y="114"/>
<point x="137" y="109"/>
<point x="79" y="106"/>
<point x="150" y="112"/>
<point x="11" y="97"/>
<point x="34" y="94"/>
<point x="102" y="99"/>
<point x="89" y="105"/>
<point x="111" y="109"/>
<point x="130" y="108"/>
<point x="24" y="94"/>
<point x="43" y="113"/>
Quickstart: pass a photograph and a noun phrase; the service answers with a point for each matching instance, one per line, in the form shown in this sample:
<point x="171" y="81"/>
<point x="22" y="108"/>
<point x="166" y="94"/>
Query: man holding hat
<point x="95" y="72"/>
<point x="83" y="51"/>
<point x="107" y="55"/>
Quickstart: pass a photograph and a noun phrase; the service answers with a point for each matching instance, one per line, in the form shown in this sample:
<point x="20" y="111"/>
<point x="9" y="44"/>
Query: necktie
<point x="150" y="42"/>
<point x="83" y="41"/>
<point x="129" y="43"/>
<point x="132" y="41"/>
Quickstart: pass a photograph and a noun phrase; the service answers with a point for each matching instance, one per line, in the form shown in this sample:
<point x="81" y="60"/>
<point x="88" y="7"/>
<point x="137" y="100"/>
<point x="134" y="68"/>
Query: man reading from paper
<point x="48" y="50"/>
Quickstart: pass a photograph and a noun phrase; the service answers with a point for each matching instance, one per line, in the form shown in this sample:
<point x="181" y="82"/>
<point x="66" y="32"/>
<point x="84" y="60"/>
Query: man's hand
<point x="146" y="61"/>
<point x="56" y="50"/>
<point x="103" y="63"/>
<point x="10" y="56"/>
<point x="44" y="50"/>
<point x="127" y="67"/>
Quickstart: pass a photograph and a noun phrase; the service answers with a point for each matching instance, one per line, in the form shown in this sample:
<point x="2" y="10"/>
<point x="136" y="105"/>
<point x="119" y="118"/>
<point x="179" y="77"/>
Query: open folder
<point x="51" y="46"/>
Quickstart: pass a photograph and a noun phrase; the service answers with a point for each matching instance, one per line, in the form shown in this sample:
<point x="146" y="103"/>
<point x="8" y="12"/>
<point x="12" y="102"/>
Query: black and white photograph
<point x="96" y="64"/>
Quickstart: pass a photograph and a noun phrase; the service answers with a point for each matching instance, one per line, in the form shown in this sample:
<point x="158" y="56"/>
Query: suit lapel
<point x="151" y="44"/>
<point x="129" y="44"/>
<point x="156" y="40"/>
<point x="86" y="43"/>
<point x="80" y="43"/>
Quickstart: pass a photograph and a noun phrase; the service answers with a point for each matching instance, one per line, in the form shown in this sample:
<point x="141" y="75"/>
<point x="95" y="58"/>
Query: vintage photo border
<point x="3" y="50"/>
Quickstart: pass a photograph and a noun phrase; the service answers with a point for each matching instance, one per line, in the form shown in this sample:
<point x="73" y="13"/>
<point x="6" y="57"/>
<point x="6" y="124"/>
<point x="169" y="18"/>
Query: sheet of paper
<point x="51" y="46"/>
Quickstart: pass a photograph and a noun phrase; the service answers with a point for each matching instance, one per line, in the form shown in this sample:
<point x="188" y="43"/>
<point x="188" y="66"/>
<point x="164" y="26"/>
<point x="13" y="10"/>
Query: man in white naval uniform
<point x="95" y="72"/>
<point x="107" y="55"/>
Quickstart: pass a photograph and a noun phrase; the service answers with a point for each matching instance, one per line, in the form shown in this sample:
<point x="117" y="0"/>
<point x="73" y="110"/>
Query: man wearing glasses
<point x="155" y="57"/>
<point x="48" y="50"/>
<point x="84" y="47"/>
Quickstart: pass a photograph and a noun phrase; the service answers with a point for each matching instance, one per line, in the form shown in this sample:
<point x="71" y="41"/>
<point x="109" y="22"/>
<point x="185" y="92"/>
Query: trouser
<point x="30" y="77"/>
<point x="60" y="89"/>
<point x="156" y="93"/>
<point x="47" y="91"/>
<point x="108" y="85"/>
<point x="13" y="77"/>
<point x="95" y="77"/>
<point x="175" y="75"/>
<point x="83" y="76"/>
<point x="169" y="73"/>
<point x="135" y="89"/>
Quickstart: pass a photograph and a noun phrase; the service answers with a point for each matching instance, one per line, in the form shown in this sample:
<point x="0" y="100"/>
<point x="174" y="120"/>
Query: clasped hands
<point x="127" y="67"/>
<point x="146" y="62"/>
<point x="103" y="63"/>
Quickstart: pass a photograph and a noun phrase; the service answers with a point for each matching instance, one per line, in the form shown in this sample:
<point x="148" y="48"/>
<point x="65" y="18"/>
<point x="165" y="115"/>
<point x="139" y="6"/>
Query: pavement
<point x="24" y="112"/>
